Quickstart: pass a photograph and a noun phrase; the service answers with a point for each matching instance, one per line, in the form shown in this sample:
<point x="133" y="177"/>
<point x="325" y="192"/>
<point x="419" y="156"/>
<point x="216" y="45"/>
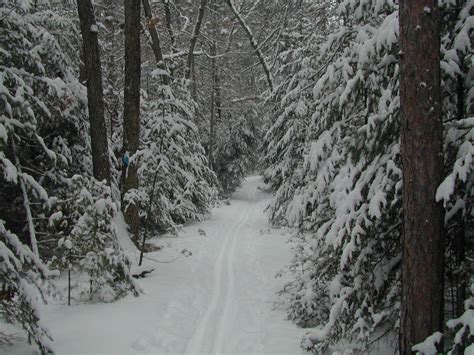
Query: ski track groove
<point x="225" y="324"/>
<point x="223" y="292"/>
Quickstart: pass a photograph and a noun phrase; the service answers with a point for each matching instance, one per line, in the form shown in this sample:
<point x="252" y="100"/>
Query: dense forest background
<point x="150" y="113"/>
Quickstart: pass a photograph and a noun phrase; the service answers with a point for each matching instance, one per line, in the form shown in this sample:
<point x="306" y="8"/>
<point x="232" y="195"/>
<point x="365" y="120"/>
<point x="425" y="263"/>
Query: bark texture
<point x="421" y="148"/>
<point x="95" y="100"/>
<point x="131" y="115"/>
<point x="461" y="278"/>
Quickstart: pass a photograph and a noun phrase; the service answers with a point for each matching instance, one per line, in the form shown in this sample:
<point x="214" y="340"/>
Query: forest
<point x="237" y="176"/>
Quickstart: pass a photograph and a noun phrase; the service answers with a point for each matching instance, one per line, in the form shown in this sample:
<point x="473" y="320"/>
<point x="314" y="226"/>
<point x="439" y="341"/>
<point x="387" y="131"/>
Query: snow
<point x="55" y="217"/>
<point x="41" y="192"/>
<point x="68" y="244"/>
<point x="429" y="345"/>
<point x="3" y="133"/>
<point x="158" y="72"/>
<point x="120" y="229"/>
<point x="218" y="298"/>
<point x="462" y="41"/>
<point x="100" y="205"/>
<point x="10" y="172"/>
<point x="469" y="350"/>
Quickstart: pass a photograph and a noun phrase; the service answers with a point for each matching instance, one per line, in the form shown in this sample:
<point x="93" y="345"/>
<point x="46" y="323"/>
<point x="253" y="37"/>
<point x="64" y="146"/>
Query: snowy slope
<point x="220" y="299"/>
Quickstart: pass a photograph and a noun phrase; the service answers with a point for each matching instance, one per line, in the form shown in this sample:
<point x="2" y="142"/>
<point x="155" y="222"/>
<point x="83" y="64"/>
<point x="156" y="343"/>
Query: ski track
<point x="219" y="300"/>
<point x="216" y="324"/>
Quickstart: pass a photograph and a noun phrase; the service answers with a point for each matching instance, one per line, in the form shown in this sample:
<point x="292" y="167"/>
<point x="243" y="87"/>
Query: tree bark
<point x="155" y="41"/>
<point x="95" y="100"/>
<point x="422" y="158"/>
<point x="192" y="43"/>
<point x="212" y="123"/>
<point x="460" y="237"/>
<point x="131" y="115"/>
<point x="215" y="93"/>
<point x="169" y="27"/>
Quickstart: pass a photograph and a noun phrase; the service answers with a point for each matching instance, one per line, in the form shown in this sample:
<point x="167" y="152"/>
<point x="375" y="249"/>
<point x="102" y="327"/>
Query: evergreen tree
<point x="237" y="149"/>
<point x="345" y="190"/>
<point x="456" y="190"/>
<point x="42" y="145"/>
<point x="22" y="276"/>
<point x="346" y="187"/>
<point x="85" y="223"/>
<point x="178" y="184"/>
<point x="42" y="109"/>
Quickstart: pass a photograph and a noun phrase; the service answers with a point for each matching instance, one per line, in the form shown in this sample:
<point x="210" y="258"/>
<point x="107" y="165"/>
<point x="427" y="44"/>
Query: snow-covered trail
<point x="216" y="325"/>
<point x="219" y="300"/>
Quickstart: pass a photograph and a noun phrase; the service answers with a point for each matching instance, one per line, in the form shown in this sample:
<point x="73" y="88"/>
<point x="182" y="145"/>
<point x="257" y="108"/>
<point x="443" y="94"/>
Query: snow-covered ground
<point x="221" y="299"/>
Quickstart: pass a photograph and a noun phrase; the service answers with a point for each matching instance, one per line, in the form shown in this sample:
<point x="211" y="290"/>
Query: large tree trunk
<point x="422" y="158"/>
<point x="461" y="278"/>
<point x="131" y="115"/>
<point x="93" y="75"/>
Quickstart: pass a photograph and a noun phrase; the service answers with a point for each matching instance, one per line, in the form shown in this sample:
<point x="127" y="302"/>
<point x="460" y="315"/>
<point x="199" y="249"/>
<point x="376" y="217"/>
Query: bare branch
<point x="254" y="44"/>
<point x="155" y="40"/>
<point x="194" y="38"/>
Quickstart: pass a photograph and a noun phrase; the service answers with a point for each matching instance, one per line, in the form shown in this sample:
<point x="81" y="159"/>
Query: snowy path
<point x="216" y="324"/>
<point x="220" y="300"/>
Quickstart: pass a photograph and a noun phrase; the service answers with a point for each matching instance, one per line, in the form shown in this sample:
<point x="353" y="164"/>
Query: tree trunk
<point x="93" y="75"/>
<point x="192" y="43"/>
<point x="131" y="115"/>
<point x="169" y="27"/>
<point x="460" y="237"/>
<point x="422" y="158"/>
<point x="111" y="64"/>
<point x="212" y="123"/>
<point x="215" y="93"/>
<point x="253" y="43"/>
<point x="155" y="41"/>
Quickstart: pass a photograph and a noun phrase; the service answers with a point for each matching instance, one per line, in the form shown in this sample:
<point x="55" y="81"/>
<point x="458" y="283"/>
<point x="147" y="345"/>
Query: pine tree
<point x="22" y="276"/>
<point x="178" y="184"/>
<point x="42" y="146"/>
<point x="422" y="158"/>
<point x="344" y="192"/>
<point x="456" y="190"/>
<point x="42" y="110"/>
<point x="237" y="148"/>
<point x="346" y="188"/>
